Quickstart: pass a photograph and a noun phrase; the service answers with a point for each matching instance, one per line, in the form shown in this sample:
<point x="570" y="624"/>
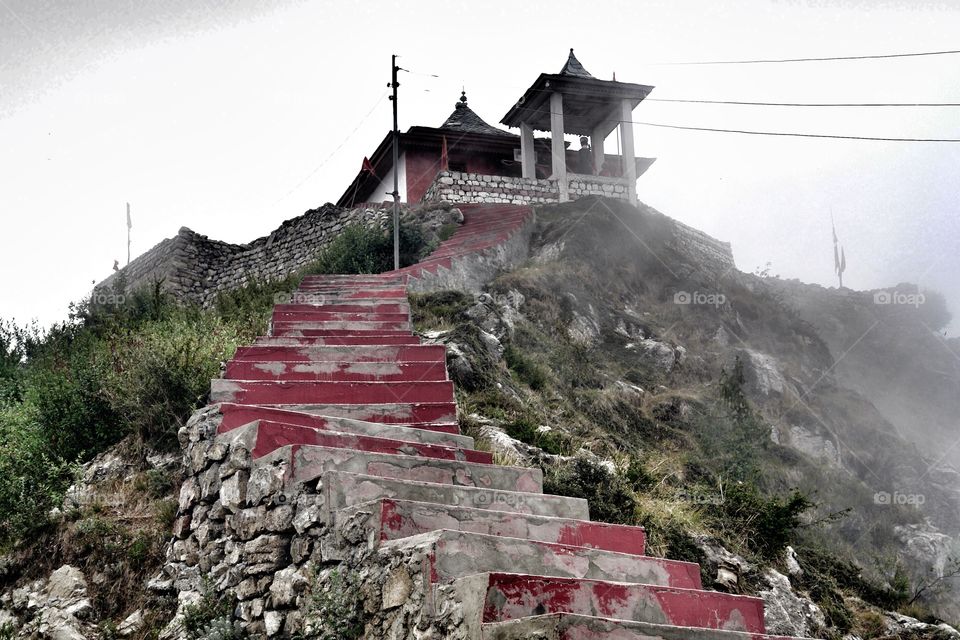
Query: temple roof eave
<point x="588" y="102"/>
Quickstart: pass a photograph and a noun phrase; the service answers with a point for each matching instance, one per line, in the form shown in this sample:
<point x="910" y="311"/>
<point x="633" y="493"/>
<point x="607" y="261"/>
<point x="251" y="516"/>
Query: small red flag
<point x="367" y="166"/>
<point x="444" y="158"/>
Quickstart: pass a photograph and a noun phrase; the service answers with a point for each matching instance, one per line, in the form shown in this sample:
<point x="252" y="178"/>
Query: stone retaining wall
<point x="455" y="186"/>
<point x="243" y="529"/>
<point x="708" y="252"/>
<point x="195" y="268"/>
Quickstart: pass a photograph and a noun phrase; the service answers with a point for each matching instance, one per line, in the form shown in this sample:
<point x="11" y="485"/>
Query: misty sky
<point x="230" y="117"/>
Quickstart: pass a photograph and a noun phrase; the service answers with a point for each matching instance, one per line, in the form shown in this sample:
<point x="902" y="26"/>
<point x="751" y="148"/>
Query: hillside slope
<point x="718" y="399"/>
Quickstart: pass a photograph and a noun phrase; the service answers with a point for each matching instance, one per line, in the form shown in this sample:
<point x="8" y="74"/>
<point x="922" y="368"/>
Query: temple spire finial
<point x="574" y="68"/>
<point x="463" y="97"/>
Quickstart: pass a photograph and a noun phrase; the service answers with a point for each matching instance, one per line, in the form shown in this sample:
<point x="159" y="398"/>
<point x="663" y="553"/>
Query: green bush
<point x="162" y="372"/>
<point x="211" y="616"/>
<point x="32" y="477"/>
<point x="251" y="306"/>
<point x="336" y="608"/>
<point x="63" y="381"/>
<point x="761" y="524"/>
<point x="11" y="356"/>
<point x="609" y="494"/>
<point x="431" y="310"/>
<point x="525" y="429"/>
<point x="363" y="249"/>
<point x="526" y="369"/>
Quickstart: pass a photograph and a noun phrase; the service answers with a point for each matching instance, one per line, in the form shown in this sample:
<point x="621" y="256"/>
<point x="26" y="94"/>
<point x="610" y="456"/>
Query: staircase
<point x="343" y="395"/>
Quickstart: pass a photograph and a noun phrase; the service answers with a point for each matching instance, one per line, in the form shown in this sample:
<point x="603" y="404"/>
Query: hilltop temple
<point x="466" y="159"/>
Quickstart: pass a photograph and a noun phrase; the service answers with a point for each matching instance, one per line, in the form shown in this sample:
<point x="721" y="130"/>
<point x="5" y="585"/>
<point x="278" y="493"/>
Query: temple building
<point x="466" y="159"/>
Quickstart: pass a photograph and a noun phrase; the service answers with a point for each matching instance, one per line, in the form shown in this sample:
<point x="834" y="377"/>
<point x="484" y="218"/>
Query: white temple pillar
<point x="596" y="143"/>
<point x="629" y="156"/>
<point x="528" y="158"/>
<point x="557" y="147"/>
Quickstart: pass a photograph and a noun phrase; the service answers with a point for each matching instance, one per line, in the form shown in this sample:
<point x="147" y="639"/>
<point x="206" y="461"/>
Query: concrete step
<point x="267" y="436"/>
<point x="352" y="326"/>
<point x="305" y="463"/>
<point x="568" y="626"/>
<point x="376" y="336"/>
<point x="333" y="341"/>
<point x="238" y="415"/>
<point x="370" y="279"/>
<point x="275" y="393"/>
<point x="321" y="314"/>
<point x="357" y="353"/>
<point x="509" y="596"/>
<point x="390" y="519"/>
<point x="457" y="554"/>
<point x="354" y="306"/>
<point x="384" y="294"/>
<point x="435" y="414"/>
<point x="343" y="490"/>
<point x="343" y="371"/>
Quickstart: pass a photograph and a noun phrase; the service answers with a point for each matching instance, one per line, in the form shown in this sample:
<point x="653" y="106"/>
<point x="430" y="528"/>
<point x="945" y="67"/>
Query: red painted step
<point x="360" y="306"/>
<point x="396" y="519"/>
<point x="238" y="415"/>
<point x="362" y="353"/>
<point x="344" y="333"/>
<point x="274" y="435"/>
<point x="264" y="392"/>
<point x="355" y="340"/>
<point x="512" y="596"/>
<point x="337" y="371"/>
<point x="440" y="414"/>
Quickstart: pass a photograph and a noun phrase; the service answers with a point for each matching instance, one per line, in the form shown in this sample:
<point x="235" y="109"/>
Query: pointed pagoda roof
<point x="589" y="103"/>
<point x="574" y="68"/>
<point x="465" y="120"/>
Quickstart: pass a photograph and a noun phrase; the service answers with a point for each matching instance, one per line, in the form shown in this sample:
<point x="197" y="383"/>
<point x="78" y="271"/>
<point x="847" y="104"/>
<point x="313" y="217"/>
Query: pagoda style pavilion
<point x="466" y="159"/>
<point x="575" y="102"/>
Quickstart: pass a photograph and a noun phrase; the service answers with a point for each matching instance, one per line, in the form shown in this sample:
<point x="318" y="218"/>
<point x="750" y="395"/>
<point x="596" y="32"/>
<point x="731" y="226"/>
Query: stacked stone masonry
<point x="455" y="186"/>
<point x="330" y="470"/>
<point x="192" y="267"/>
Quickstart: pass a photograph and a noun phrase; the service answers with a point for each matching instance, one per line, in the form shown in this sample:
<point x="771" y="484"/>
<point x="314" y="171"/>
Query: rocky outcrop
<point x="57" y="608"/>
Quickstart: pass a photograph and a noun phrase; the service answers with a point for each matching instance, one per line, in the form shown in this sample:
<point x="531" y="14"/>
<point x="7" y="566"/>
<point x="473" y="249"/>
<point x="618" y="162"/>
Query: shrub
<point x="363" y="249"/>
<point x="609" y="494"/>
<point x="430" y="310"/>
<point x="32" y="477"/>
<point x="763" y="525"/>
<point x="211" y="616"/>
<point x="525" y="429"/>
<point x="250" y="306"/>
<point x="336" y="609"/>
<point x="526" y="369"/>
<point x="64" y="383"/>
<point x="163" y="372"/>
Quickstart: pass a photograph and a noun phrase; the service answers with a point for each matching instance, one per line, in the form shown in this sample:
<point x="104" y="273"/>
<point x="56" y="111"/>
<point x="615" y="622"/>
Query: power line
<point x="334" y="152"/>
<point x="823" y="59"/>
<point x="807" y="104"/>
<point x="792" y="135"/>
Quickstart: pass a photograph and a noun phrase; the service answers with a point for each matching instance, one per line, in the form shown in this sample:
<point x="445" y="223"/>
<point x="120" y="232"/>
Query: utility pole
<point x="396" y="164"/>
